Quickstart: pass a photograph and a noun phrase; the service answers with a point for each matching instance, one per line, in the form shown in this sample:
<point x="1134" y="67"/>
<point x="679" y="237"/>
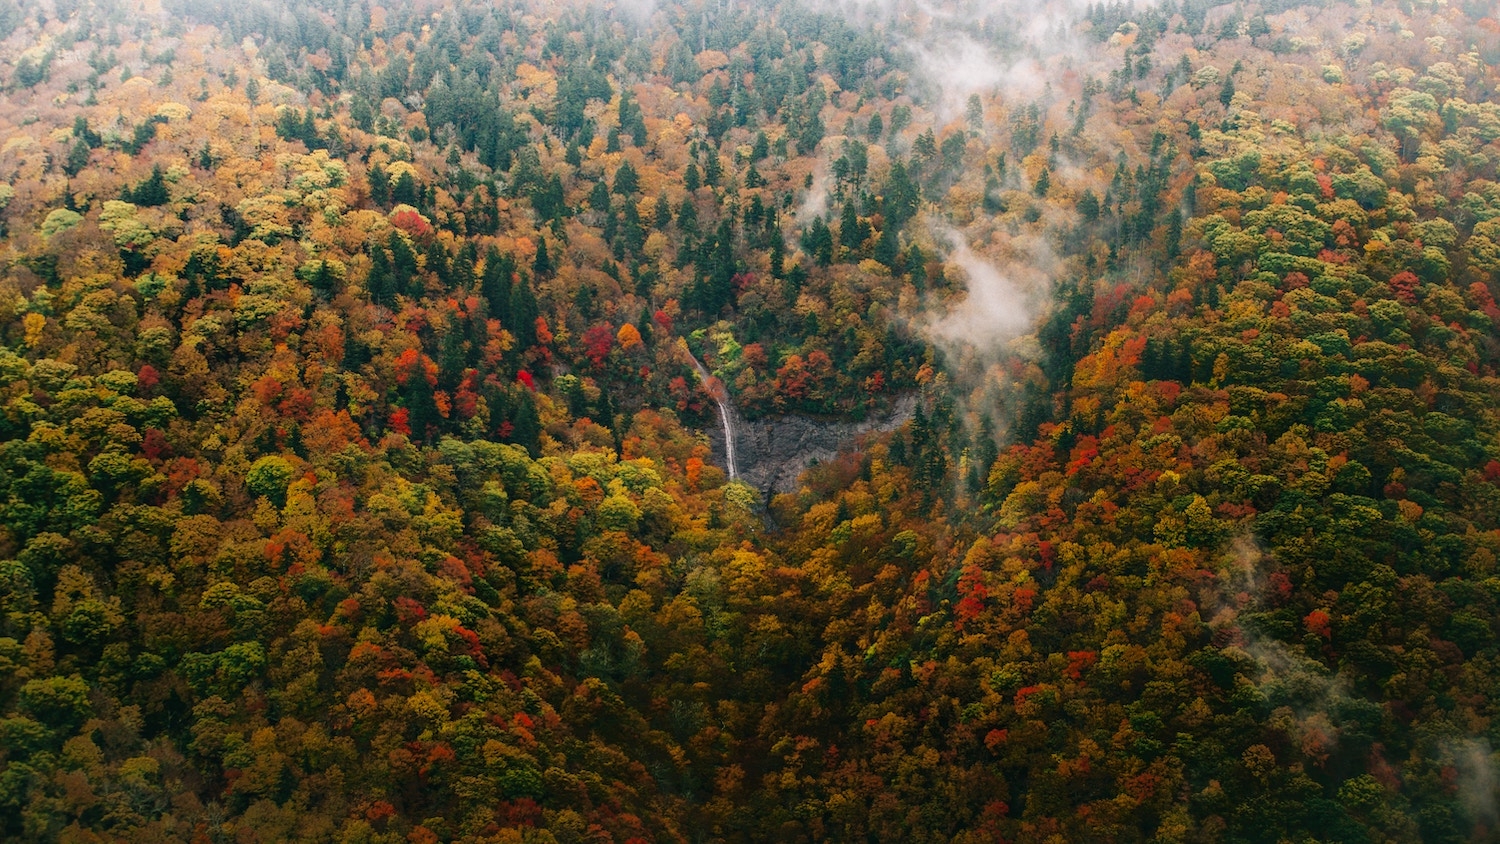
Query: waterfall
<point x="720" y="395"/>
<point x="728" y="439"/>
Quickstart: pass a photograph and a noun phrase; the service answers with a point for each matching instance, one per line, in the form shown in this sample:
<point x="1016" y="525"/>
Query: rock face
<point x="773" y="451"/>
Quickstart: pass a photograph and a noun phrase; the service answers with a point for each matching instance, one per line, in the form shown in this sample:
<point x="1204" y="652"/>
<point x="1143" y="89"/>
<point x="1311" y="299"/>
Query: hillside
<point x="357" y="484"/>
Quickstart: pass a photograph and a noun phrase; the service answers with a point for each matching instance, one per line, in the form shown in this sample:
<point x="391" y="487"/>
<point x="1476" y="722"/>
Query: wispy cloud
<point x="999" y="305"/>
<point x="1478" y="778"/>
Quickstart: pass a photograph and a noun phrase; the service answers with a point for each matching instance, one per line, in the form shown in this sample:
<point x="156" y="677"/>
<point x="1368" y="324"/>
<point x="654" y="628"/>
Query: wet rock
<point x="773" y="451"/>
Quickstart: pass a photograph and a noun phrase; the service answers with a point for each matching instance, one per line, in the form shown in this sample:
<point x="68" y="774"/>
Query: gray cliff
<point x="773" y="451"/>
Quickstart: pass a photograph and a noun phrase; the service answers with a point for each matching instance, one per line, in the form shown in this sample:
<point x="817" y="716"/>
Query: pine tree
<point x="541" y="266"/>
<point x="438" y="263"/>
<point x="324" y="281"/>
<point x="524" y="312"/>
<point x="916" y="267"/>
<point x="599" y="197"/>
<point x="1088" y="206"/>
<point x="850" y="232"/>
<point x="308" y="131"/>
<point x="526" y="424"/>
<point x="405" y="191"/>
<point x="495" y="285"/>
<point x="627" y="183"/>
<point x="452" y="358"/>
<point x="888" y="248"/>
<point x="78" y="157"/>
<point x="663" y="213"/>
<point x="631" y="233"/>
<point x="687" y="218"/>
<point x="463" y="265"/>
<point x="380" y="185"/>
<point x="810" y="136"/>
<point x="819" y="242"/>
<point x="381" y="284"/>
<point x="404" y="265"/>
<point x="721" y="269"/>
<point x="901" y="198"/>
<point x="151" y="192"/>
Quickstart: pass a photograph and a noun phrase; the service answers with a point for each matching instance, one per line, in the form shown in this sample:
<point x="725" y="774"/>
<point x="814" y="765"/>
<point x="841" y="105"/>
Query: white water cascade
<point x="720" y="395"/>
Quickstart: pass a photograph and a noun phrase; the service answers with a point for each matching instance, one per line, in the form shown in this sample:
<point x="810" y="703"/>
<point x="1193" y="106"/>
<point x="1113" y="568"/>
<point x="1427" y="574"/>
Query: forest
<point x="359" y="482"/>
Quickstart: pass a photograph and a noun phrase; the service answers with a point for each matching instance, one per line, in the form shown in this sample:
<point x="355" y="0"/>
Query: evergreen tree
<point x="421" y="405"/>
<point x="810" y="136"/>
<point x="323" y="280"/>
<point x="404" y="267"/>
<point x="548" y="200"/>
<point x="599" y="197"/>
<point x="495" y="285"/>
<point x="1088" y="206"/>
<point x="452" y="357"/>
<point x="610" y="227"/>
<point x="82" y="132"/>
<point x="687" y="218"/>
<point x="308" y="131"/>
<point x="818" y="242"/>
<point x="405" y="190"/>
<point x="541" y="266"/>
<point x="78" y="157"/>
<point x="438" y="264"/>
<point x="888" y="248"/>
<point x="525" y="424"/>
<point x="663" y="213"/>
<point x="151" y="192"/>
<point x="851" y="234"/>
<point x="463" y="265"/>
<point x="916" y="267"/>
<point x="720" y="270"/>
<point x="381" y="282"/>
<point x="380" y="185"/>
<point x="627" y="183"/>
<point x="1043" y="182"/>
<point x="901" y="196"/>
<point x="632" y="235"/>
<point x="523" y="312"/>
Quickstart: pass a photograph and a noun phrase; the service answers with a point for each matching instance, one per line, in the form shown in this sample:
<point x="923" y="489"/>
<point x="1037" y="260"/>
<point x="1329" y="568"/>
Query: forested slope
<point x="352" y="482"/>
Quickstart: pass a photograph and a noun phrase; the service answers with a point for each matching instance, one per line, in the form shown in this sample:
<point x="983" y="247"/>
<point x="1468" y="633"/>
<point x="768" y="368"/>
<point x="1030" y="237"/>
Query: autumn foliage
<point x="353" y="482"/>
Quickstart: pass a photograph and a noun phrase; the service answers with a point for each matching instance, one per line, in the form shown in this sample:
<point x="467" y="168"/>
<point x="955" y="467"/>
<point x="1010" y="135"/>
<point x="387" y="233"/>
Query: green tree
<point x="269" y="477"/>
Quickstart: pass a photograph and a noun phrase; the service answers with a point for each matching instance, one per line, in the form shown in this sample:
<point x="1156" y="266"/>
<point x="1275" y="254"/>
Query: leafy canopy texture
<point x="359" y="366"/>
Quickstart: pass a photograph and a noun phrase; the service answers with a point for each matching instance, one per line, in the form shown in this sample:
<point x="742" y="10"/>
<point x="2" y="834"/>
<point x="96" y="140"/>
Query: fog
<point x="999" y="305"/>
<point x="1478" y="777"/>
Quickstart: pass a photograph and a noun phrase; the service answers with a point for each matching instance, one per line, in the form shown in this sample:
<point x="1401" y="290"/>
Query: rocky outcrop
<point x="772" y="452"/>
